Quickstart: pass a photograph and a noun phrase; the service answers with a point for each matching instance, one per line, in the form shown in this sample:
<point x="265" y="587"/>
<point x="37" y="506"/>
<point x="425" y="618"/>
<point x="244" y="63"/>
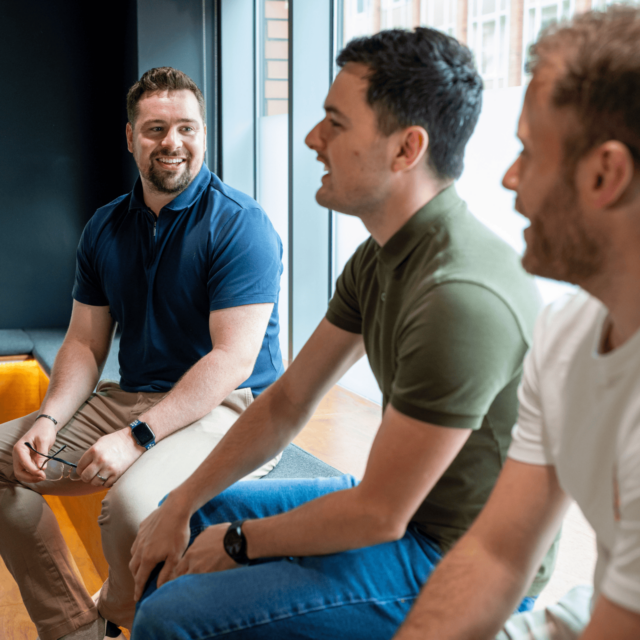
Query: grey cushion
<point x="46" y="343"/>
<point x="297" y="463"/>
<point x="15" y="342"/>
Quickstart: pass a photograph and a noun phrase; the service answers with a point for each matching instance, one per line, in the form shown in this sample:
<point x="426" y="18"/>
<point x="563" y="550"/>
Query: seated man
<point x="443" y="310"/>
<point x="190" y="270"/>
<point x="578" y="433"/>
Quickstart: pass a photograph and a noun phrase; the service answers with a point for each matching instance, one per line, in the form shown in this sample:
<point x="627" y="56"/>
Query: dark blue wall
<point x="66" y="69"/>
<point x="181" y="34"/>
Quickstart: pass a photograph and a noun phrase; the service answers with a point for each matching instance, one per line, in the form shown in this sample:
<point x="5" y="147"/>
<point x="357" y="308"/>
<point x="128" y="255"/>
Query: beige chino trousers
<point x="31" y="544"/>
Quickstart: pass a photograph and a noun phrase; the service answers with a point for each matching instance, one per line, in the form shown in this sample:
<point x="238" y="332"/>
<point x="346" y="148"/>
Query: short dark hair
<point x="161" y="79"/>
<point x="600" y="80"/>
<point x="422" y="77"/>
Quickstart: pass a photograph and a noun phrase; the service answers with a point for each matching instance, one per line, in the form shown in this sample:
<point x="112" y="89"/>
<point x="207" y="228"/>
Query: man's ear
<point x="412" y="147"/>
<point x="604" y="174"/>
<point x="129" y="137"/>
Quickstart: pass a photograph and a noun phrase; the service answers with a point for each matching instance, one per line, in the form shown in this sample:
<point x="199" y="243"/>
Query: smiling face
<point x="168" y="141"/>
<point x="356" y="155"/>
<point x="561" y="242"/>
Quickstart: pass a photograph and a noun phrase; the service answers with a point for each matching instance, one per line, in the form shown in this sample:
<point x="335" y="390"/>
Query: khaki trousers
<point x="31" y="544"/>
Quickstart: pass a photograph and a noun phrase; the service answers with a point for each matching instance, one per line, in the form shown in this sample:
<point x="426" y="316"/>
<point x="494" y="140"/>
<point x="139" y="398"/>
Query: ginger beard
<point x="559" y="245"/>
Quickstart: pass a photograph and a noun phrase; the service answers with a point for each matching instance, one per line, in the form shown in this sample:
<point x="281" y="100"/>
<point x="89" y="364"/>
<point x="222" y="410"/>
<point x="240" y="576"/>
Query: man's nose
<point x="171" y="139"/>
<point x="512" y="176"/>
<point x="313" y="140"/>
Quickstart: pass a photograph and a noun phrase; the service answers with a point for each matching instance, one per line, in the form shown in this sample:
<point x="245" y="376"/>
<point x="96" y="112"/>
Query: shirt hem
<point x="527" y="456"/>
<point x="242" y="301"/>
<point x="90" y="301"/>
<point x="437" y="418"/>
<point x="341" y="323"/>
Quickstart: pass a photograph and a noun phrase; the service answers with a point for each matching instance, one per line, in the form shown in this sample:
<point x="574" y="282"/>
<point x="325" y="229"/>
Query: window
<point x="272" y="133"/>
<point x="488" y="38"/>
<point x="441" y="15"/>
<point x="539" y="14"/>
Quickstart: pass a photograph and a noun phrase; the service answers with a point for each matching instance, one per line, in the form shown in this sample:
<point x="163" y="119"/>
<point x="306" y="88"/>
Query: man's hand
<point x="206" y="554"/>
<point x="163" y="537"/>
<point x="109" y="457"/>
<point x="26" y="463"/>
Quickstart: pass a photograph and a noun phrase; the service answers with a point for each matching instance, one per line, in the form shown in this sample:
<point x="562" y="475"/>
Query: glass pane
<point x="488" y="6"/>
<point x="566" y="9"/>
<point x="438" y="13"/>
<point x="273" y="135"/>
<point x="531" y="31"/>
<point x="488" y="48"/>
<point x="549" y="16"/>
<point x="502" y="47"/>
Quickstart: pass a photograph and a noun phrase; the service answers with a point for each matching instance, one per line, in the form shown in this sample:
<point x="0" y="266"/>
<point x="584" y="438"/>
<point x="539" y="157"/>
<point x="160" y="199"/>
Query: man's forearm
<point x="262" y="431"/>
<point x="468" y="597"/>
<point x="332" y="523"/>
<point x="199" y="391"/>
<point x="73" y="378"/>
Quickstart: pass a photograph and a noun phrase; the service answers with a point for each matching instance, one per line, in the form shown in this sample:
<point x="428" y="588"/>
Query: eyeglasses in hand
<point x="57" y="468"/>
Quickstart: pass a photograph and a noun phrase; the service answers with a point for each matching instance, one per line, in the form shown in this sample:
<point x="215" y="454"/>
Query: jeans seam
<point x="314" y="610"/>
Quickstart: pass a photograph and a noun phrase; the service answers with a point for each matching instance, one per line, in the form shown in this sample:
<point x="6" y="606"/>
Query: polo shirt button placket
<point x="383" y="297"/>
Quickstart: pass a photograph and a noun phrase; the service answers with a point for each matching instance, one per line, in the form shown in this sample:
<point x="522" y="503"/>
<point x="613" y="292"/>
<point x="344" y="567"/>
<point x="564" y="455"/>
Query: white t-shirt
<point x="580" y="412"/>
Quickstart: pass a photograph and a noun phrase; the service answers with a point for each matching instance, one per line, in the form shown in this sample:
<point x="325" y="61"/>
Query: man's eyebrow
<point x="161" y="121"/>
<point x="335" y="111"/>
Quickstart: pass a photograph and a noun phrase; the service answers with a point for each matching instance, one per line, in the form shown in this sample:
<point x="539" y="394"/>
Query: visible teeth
<point x="171" y="160"/>
<point x="326" y="168"/>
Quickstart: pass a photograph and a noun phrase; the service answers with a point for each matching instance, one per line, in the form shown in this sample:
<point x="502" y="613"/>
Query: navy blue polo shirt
<point x="211" y="248"/>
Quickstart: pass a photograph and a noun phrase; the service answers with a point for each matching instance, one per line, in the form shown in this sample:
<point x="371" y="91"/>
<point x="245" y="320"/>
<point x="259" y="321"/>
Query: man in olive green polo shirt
<point x="443" y="311"/>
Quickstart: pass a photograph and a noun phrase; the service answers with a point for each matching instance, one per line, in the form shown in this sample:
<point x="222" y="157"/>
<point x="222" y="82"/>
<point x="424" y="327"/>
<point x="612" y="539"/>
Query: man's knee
<point x="120" y="518"/>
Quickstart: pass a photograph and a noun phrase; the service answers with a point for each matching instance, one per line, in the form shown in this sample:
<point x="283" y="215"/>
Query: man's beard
<point x="560" y="246"/>
<point x="166" y="182"/>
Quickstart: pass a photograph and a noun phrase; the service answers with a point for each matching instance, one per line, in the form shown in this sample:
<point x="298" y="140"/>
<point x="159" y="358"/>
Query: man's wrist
<point x="142" y="434"/>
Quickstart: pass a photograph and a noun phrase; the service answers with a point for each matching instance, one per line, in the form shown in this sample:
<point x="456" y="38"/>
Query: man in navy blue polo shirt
<point x="189" y="269"/>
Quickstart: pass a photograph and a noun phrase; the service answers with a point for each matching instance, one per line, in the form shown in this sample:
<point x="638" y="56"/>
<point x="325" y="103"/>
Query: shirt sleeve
<point x="528" y="443"/>
<point x="621" y="581"/>
<point x="87" y="287"/>
<point x="246" y="262"/>
<point x="344" y="309"/>
<point x="456" y="351"/>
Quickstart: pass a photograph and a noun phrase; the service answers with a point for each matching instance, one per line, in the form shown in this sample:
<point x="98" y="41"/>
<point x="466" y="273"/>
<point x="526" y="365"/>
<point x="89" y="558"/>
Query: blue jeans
<point x="365" y="593"/>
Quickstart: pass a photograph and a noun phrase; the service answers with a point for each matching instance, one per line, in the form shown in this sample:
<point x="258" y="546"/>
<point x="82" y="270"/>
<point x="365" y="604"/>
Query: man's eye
<point x="156" y="129"/>
<point x="334" y="123"/>
<point x="188" y="129"/>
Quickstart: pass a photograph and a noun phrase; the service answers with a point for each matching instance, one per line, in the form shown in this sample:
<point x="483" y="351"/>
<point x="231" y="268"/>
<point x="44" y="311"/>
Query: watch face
<point x="143" y="434"/>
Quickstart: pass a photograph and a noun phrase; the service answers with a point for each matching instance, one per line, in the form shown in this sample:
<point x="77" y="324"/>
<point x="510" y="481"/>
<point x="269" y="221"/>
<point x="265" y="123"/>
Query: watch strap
<point x="235" y="544"/>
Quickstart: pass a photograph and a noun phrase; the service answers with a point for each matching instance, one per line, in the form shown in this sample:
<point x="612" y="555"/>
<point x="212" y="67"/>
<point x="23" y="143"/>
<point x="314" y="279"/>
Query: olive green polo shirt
<point x="447" y="313"/>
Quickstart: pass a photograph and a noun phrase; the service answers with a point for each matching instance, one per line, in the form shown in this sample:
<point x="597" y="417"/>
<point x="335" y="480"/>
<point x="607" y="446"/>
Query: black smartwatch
<point x="142" y="434"/>
<point x="235" y="544"/>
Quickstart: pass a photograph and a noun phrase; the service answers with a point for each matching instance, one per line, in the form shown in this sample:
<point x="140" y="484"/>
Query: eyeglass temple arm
<point x="44" y="455"/>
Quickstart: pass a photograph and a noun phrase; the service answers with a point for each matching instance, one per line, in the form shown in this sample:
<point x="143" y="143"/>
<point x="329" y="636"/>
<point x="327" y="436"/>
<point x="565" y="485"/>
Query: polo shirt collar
<point x="424" y="221"/>
<point x="180" y="202"/>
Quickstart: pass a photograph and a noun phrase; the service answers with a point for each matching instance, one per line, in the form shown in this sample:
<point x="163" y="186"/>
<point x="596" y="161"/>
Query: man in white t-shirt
<point x="577" y="180"/>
